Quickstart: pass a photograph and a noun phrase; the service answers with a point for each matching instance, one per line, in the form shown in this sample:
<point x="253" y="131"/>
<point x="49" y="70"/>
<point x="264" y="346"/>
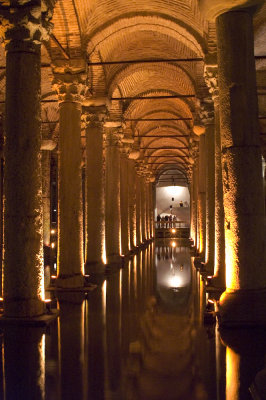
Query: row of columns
<point x="228" y="216"/>
<point x="116" y="195"/>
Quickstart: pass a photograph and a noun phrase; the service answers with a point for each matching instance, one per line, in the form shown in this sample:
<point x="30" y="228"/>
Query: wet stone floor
<point x="139" y="336"/>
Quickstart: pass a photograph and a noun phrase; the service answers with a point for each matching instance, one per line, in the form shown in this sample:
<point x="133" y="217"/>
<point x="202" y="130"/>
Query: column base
<point x="242" y="308"/>
<point x="94" y="267"/>
<point x="41" y="320"/>
<point x="29" y="308"/>
<point x="69" y="281"/>
<point x="114" y="259"/>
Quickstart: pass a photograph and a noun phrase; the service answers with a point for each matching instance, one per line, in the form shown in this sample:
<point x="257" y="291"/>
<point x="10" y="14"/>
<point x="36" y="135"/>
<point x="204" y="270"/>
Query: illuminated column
<point x="207" y="117"/>
<point x="147" y="192"/>
<point x="211" y="78"/>
<point x="194" y="192"/>
<point x="22" y="32"/>
<point x="112" y="194"/>
<point x="202" y="196"/>
<point x="132" y="202"/>
<point x="143" y="208"/>
<point x="71" y="91"/>
<point x="94" y="117"/>
<point x="46" y="196"/>
<point x="47" y="146"/>
<point x="244" y="299"/>
<point x="138" y="209"/>
<point x="124" y="182"/>
<point x="151" y="204"/>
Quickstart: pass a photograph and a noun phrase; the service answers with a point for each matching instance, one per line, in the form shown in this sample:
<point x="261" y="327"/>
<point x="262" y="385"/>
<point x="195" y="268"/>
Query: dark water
<point x="140" y="336"/>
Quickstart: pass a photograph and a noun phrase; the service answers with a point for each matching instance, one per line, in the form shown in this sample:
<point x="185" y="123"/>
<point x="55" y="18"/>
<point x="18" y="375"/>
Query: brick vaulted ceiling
<point x="128" y="30"/>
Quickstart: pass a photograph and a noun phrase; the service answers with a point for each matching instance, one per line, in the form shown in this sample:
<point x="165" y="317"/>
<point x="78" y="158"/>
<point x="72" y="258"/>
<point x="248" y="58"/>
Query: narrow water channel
<point x="139" y="336"/>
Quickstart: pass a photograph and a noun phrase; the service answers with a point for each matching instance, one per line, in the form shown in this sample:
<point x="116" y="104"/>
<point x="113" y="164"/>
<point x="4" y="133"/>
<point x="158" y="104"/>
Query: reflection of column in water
<point x="139" y="280"/>
<point x="94" y="335"/>
<point x="245" y="352"/>
<point x="113" y="332"/>
<point x="220" y="366"/>
<point x="71" y="344"/>
<point x="2" y="373"/>
<point x="24" y="363"/>
<point x="153" y="270"/>
<point x="125" y="312"/>
<point x="52" y="387"/>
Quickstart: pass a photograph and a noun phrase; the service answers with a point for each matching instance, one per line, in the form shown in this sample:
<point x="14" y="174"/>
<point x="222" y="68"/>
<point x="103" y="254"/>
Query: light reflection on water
<point x="138" y="336"/>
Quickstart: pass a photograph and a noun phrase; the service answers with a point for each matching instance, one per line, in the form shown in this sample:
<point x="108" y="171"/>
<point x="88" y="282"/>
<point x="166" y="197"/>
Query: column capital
<point x="211" y="79"/>
<point x="113" y="136"/>
<point x="206" y="112"/>
<point x="25" y="26"/>
<point x="94" y="116"/>
<point x="70" y="86"/>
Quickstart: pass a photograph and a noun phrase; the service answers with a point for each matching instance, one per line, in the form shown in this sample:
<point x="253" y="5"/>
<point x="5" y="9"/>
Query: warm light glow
<point x="53" y="276"/>
<point x="1" y="299"/>
<point x="53" y="231"/>
<point x="173" y="230"/>
<point x="53" y="245"/>
<point x="41" y="382"/>
<point x="174" y="190"/>
<point x="175" y="281"/>
<point x="232" y="374"/>
<point x="104" y="258"/>
<point x="173" y="244"/>
<point x="104" y="289"/>
<point x="47" y="300"/>
<point x="232" y="279"/>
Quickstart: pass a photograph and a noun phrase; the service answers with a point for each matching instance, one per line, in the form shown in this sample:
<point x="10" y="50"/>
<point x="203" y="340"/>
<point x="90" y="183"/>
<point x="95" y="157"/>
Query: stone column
<point x="124" y="183"/>
<point x="202" y="197"/>
<point x="138" y="210"/>
<point x="94" y="119"/>
<point x="148" y="200"/>
<point x="207" y="117"/>
<point x="71" y="91"/>
<point x="46" y="196"/>
<point x="211" y="78"/>
<point x="151" y="207"/>
<point x="244" y="301"/>
<point x="194" y="192"/>
<point x="22" y="31"/>
<point x="112" y="195"/>
<point x="143" y="208"/>
<point x="132" y="202"/>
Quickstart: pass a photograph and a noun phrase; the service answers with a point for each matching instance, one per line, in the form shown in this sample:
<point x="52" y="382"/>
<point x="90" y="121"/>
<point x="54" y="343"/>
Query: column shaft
<point x="242" y="176"/>
<point x="132" y="202"/>
<point x="143" y="210"/>
<point x="112" y="199"/>
<point x="138" y="210"/>
<point x="202" y="196"/>
<point x="23" y="269"/>
<point x="95" y="198"/>
<point x="219" y="266"/>
<point x="46" y="160"/>
<point x="210" y="196"/>
<point x="70" y="236"/>
<point x="124" y="204"/>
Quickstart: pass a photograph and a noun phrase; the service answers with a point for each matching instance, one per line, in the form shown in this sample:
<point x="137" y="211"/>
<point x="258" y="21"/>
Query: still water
<point x="139" y="336"/>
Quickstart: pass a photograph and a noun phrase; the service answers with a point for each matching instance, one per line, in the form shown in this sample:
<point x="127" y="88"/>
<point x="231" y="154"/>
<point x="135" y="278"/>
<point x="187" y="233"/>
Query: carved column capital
<point x="113" y="137"/>
<point x="93" y="116"/>
<point x="26" y="25"/>
<point x="206" y="112"/>
<point x="70" y="86"/>
<point x="211" y="79"/>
